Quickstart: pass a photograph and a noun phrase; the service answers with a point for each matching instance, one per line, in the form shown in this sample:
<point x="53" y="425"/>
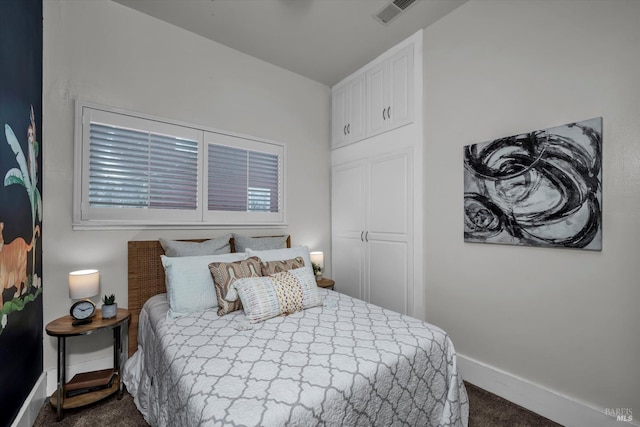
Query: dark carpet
<point x="485" y="410"/>
<point x="488" y="410"/>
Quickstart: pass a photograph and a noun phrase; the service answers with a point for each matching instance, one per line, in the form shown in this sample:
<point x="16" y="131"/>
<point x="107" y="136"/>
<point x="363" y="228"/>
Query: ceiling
<point x="324" y="40"/>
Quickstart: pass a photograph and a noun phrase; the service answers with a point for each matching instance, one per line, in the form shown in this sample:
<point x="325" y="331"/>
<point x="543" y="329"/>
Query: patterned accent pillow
<point x="225" y="273"/>
<point x="272" y="267"/>
<point x="289" y="291"/>
<point x="266" y="297"/>
<point x="286" y="253"/>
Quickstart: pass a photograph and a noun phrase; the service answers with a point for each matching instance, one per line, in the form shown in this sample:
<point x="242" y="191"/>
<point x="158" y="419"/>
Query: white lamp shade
<point x="84" y="284"/>
<point x="317" y="257"/>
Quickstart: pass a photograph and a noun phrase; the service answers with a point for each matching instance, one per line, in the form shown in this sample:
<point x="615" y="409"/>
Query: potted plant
<point x="317" y="270"/>
<point x="109" y="307"/>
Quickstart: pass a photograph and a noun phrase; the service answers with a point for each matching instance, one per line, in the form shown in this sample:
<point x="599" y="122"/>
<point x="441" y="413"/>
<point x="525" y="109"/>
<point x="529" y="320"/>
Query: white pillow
<point x="189" y="283"/>
<point x="309" y="286"/>
<point x="284" y="254"/>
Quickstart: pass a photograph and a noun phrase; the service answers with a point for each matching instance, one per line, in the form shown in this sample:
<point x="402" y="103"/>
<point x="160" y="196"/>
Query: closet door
<point x="348" y="225"/>
<point x="388" y="237"/>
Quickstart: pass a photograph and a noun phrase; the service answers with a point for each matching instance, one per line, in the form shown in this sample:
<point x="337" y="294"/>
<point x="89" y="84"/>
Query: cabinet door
<point x="388" y="237"/>
<point x="346" y="265"/>
<point x="356" y="129"/>
<point x="347" y="213"/>
<point x="390" y="93"/>
<point x="388" y="274"/>
<point x="400" y="69"/>
<point x="376" y="99"/>
<point x="339" y="112"/>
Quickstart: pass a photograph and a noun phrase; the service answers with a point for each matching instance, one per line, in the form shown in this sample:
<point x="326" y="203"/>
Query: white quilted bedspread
<point x="347" y="363"/>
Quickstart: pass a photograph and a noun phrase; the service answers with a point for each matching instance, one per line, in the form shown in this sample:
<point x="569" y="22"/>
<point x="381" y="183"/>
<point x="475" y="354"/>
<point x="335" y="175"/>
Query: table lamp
<point x="83" y="284"/>
<point x="317" y="261"/>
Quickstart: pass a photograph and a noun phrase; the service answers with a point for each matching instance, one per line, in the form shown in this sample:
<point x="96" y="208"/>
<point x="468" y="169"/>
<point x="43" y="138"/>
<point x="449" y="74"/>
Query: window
<point x="140" y="169"/>
<point x="244" y="178"/>
<point x="137" y="170"/>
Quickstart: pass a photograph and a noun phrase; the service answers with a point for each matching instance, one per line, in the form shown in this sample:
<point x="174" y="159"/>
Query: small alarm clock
<point x="82" y="311"/>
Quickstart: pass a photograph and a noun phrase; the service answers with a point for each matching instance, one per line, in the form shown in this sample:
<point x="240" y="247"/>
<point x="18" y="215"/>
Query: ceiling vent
<point x="393" y="10"/>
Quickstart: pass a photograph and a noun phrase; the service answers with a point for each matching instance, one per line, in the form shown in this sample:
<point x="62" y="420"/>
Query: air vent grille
<point x="403" y="4"/>
<point x="387" y="14"/>
<point x="392" y="10"/>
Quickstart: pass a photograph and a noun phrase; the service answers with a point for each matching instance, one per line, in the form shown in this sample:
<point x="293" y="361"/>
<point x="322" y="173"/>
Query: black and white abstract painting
<point x="542" y="188"/>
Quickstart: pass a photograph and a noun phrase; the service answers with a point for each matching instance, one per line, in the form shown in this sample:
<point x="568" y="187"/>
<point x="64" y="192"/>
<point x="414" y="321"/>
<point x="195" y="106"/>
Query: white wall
<point x="105" y="53"/>
<point x="566" y="320"/>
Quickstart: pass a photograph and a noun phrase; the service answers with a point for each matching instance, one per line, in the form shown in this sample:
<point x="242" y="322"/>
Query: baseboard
<point x="548" y="403"/>
<point x="90" y="365"/>
<point x="32" y="405"/>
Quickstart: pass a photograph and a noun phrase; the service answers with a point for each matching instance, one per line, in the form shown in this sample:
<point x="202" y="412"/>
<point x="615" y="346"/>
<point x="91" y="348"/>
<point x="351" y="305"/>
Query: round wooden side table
<point x="62" y="328"/>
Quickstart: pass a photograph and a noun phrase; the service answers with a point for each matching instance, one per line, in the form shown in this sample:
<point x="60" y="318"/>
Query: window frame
<point x="86" y="217"/>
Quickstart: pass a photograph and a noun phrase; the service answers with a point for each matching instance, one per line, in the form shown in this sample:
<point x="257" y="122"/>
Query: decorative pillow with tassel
<point x="281" y="293"/>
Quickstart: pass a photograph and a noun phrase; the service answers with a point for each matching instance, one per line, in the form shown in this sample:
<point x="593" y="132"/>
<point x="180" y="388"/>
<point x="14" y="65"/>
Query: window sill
<point x="109" y="225"/>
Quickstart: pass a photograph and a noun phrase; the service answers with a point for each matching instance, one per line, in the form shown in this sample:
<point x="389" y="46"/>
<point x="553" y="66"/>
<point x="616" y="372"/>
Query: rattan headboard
<point x="146" y="278"/>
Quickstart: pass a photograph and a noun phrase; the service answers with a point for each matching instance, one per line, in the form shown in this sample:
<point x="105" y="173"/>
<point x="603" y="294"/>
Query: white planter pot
<point x="109" y="311"/>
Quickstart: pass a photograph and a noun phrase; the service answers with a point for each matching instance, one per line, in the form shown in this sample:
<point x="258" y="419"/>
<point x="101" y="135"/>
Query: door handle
<point x="389" y="112"/>
<point x="366" y="237"/>
<point x="361" y="234"/>
<point x="383" y="113"/>
<point x="349" y="128"/>
<point x="344" y="129"/>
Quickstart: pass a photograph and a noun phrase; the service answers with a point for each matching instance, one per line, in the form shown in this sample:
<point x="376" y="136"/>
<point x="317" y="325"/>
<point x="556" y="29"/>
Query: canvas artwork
<point x="542" y="188"/>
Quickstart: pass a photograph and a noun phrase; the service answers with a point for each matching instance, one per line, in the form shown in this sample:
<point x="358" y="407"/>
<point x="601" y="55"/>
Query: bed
<point x="342" y="363"/>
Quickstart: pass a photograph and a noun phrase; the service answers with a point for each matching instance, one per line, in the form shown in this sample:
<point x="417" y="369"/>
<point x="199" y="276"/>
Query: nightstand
<point x="62" y="328"/>
<point x="325" y="283"/>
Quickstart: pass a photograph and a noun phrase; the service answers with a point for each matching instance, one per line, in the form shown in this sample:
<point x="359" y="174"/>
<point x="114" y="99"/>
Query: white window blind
<point x="136" y="170"/>
<point x="139" y="169"/>
<point x="243" y="180"/>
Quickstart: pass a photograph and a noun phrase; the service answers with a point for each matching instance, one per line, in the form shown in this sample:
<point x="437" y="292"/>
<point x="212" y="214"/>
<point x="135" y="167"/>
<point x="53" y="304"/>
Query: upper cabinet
<point x="390" y="93"/>
<point x="375" y="100"/>
<point x="348" y="111"/>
